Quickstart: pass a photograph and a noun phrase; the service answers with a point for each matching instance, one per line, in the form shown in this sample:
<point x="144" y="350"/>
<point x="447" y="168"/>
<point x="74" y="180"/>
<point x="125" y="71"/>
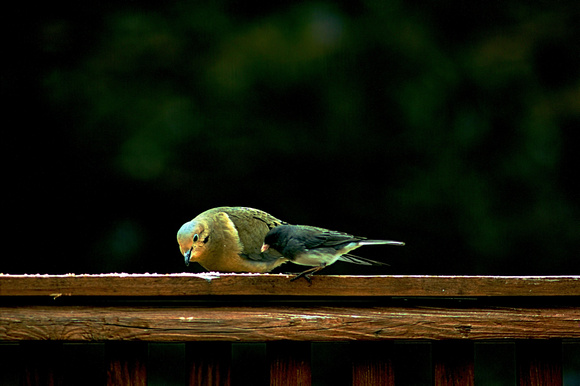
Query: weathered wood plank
<point x="263" y="324"/>
<point x="539" y="363"/>
<point x="271" y="284"/>
<point x="453" y="363"/>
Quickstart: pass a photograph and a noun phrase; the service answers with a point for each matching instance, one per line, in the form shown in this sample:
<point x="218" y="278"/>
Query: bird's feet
<point x="308" y="274"/>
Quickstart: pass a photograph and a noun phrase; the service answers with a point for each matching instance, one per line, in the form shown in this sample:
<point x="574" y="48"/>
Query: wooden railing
<point x="120" y="329"/>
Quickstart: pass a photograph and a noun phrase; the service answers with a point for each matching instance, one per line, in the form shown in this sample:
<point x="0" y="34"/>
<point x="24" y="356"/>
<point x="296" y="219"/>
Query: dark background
<point x="450" y="125"/>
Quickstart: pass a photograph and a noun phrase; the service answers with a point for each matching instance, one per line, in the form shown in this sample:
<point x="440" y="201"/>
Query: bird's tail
<point x="362" y="260"/>
<point x="359" y="260"/>
<point x="377" y="242"/>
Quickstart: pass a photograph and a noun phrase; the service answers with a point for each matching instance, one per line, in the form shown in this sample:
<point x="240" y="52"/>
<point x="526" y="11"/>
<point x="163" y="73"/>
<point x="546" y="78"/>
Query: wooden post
<point x="209" y="363"/>
<point x="539" y="363"/>
<point x="289" y="363"/>
<point x="126" y="363"/>
<point x="372" y="363"/>
<point x="453" y="363"/>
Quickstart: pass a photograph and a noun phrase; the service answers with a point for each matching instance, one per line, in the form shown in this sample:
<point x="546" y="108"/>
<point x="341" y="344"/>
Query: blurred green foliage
<point x="450" y="126"/>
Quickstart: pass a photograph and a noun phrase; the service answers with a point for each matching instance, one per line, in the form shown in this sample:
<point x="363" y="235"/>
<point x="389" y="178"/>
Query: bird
<point x="317" y="247"/>
<point x="228" y="239"/>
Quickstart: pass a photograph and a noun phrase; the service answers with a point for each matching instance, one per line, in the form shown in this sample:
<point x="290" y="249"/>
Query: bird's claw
<point x="308" y="274"/>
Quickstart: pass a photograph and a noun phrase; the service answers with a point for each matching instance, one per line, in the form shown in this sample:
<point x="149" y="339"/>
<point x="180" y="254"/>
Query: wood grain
<point x="211" y="310"/>
<point x="210" y="284"/>
<point x="263" y="324"/>
<point x="539" y="363"/>
<point x="209" y="363"/>
<point x="372" y="363"/>
<point x="289" y="363"/>
<point x="127" y="364"/>
<point x="453" y="363"/>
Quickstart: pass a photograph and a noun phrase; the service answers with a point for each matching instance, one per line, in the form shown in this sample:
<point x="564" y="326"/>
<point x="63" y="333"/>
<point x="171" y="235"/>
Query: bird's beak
<point x="187" y="255"/>
<point x="265" y="247"/>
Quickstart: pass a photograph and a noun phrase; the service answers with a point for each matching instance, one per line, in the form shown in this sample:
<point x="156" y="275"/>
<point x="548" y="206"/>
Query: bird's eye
<point x="206" y="240"/>
<point x="195" y="237"/>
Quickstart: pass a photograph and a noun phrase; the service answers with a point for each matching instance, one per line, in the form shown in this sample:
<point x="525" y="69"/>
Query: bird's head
<point x="276" y="238"/>
<point x="193" y="237"/>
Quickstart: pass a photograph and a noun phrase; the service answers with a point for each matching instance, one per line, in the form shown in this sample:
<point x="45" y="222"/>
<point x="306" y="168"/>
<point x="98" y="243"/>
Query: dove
<point x="228" y="239"/>
<point x="317" y="247"/>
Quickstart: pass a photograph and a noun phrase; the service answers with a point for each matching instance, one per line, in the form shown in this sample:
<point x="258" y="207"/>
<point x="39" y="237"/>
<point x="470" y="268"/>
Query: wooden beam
<point x="274" y="323"/>
<point x="210" y="284"/>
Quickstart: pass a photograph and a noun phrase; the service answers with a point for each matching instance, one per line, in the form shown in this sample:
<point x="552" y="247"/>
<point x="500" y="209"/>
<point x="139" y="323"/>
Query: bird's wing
<point x="325" y="238"/>
<point x="252" y="225"/>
